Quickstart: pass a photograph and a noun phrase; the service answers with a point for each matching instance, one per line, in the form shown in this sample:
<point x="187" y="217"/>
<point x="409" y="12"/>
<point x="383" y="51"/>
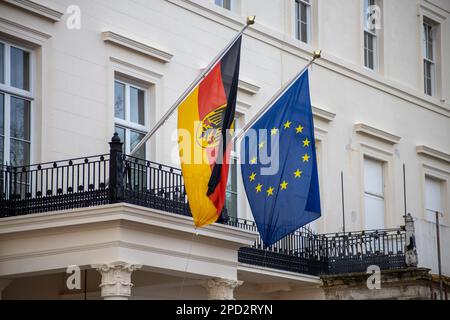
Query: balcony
<point x="118" y="178"/>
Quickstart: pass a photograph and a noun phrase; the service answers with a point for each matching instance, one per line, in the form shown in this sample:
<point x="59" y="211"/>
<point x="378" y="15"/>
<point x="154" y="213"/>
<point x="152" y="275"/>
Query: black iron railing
<point x="53" y="186"/>
<point x="115" y="177"/>
<point x="303" y="251"/>
<point x="154" y="185"/>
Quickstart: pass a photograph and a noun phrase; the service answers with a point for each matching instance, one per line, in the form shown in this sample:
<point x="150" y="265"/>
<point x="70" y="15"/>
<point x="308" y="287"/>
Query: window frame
<point x="441" y="210"/>
<point x="383" y="197"/>
<point x="297" y="20"/>
<point x="426" y="59"/>
<point x="222" y="4"/>
<point x="367" y="33"/>
<point x="9" y="92"/>
<point x="235" y="157"/>
<point x="126" y="123"/>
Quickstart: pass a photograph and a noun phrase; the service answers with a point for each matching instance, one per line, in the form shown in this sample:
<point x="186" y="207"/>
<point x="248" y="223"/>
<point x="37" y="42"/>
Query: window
<point x="374" y="194"/>
<point x="231" y="201"/>
<point x="130" y="115"/>
<point x="370" y="35"/>
<point x="15" y="105"/>
<point x="226" y="4"/>
<point x="433" y="198"/>
<point x="429" y="64"/>
<point x="303" y="20"/>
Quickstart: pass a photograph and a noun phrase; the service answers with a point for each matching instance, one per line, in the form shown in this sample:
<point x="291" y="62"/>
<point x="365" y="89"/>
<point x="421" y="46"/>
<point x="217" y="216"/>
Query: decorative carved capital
<point x="116" y="279"/>
<point x="221" y="289"/>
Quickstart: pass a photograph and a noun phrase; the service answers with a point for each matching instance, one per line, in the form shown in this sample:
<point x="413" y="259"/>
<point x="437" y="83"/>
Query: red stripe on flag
<point x="211" y="92"/>
<point x="219" y="194"/>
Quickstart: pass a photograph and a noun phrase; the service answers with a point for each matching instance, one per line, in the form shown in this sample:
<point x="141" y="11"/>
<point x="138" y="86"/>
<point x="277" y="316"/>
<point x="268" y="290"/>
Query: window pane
<point x="430" y="50"/>
<point x="425" y="40"/>
<point x="121" y="132"/>
<point x="119" y="100"/>
<point x="373" y="177"/>
<point x="231" y="204"/>
<point x="2" y="63"/>
<point x="374" y="212"/>
<point x="304" y="13"/>
<point x="433" y="195"/>
<point x="20" y="69"/>
<point x="304" y="32"/>
<point x="135" y="137"/>
<point x="1" y="149"/>
<point x="232" y="177"/>
<point x="227" y="4"/>
<point x="137" y="106"/>
<point x="231" y="190"/>
<point x="20" y="153"/>
<point x="20" y="118"/>
<point x="2" y="114"/>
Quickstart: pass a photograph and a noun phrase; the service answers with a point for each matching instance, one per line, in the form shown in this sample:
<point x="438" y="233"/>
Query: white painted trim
<point x="327" y="61"/>
<point x="377" y="133"/>
<point x="128" y="43"/>
<point x="17" y="30"/>
<point x="428" y="170"/>
<point x="38" y="9"/>
<point x="386" y="157"/>
<point x="287" y="275"/>
<point x="323" y="114"/>
<point x="248" y="87"/>
<point x="128" y="212"/>
<point x="433" y="153"/>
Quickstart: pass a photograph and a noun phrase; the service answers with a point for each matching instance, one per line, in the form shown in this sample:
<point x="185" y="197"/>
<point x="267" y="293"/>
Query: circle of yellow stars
<point x="269" y="191"/>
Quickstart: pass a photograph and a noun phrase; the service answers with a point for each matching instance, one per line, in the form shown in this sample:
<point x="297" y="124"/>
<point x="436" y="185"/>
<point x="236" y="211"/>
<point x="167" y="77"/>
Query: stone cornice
<point x="15" y="29"/>
<point x="38" y="9"/>
<point x="377" y="133"/>
<point x="128" y="43"/>
<point x="322" y="114"/>
<point x="248" y="87"/>
<point x="124" y="212"/>
<point x="433" y="153"/>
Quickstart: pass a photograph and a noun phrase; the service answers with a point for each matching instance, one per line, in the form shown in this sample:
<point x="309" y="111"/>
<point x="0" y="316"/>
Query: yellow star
<point x="298" y="173"/>
<point x="252" y="177"/>
<point x="270" y="191"/>
<point x="287" y="125"/>
<point x="258" y="188"/>
<point x="284" y="185"/>
<point x="261" y="145"/>
<point x="299" y="129"/>
<point x="274" y="131"/>
<point x="306" y="142"/>
<point x="253" y="161"/>
<point x="306" y="158"/>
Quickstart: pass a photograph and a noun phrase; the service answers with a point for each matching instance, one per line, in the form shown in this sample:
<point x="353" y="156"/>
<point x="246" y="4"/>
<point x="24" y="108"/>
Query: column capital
<point x="221" y="289"/>
<point x="116" y="279"/>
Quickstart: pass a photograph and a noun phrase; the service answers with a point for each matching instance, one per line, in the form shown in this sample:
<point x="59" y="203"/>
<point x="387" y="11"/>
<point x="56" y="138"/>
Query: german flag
<point x="205" y="118"/>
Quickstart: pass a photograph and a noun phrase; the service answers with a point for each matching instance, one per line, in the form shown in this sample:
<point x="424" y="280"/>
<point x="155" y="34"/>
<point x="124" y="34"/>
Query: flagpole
<point x="316" y="55"/>
<point x="250" y="21"/>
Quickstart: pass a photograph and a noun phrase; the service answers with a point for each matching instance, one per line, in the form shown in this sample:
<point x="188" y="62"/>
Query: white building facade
<point x="74" y="72"/>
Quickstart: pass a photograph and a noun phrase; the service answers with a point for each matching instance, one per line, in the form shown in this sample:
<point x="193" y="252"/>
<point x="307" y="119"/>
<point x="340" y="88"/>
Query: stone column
<point x="116" y="279"/>
<point x="221" y="289"/>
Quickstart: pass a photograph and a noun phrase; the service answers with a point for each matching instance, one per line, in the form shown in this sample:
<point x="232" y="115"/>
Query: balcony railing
<point x="115" y="177"/>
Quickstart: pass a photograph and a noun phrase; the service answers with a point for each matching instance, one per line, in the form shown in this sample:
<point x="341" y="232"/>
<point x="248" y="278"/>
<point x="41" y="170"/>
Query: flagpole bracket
<point x="251" y="20"/>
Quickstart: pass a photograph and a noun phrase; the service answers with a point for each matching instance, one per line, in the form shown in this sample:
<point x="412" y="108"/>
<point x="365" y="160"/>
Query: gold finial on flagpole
<point x="251" y="20"/>
<point x="317" y="54"/>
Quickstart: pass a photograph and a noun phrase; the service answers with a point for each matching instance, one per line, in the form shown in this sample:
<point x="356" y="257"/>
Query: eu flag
<point x="279" y="167"/>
